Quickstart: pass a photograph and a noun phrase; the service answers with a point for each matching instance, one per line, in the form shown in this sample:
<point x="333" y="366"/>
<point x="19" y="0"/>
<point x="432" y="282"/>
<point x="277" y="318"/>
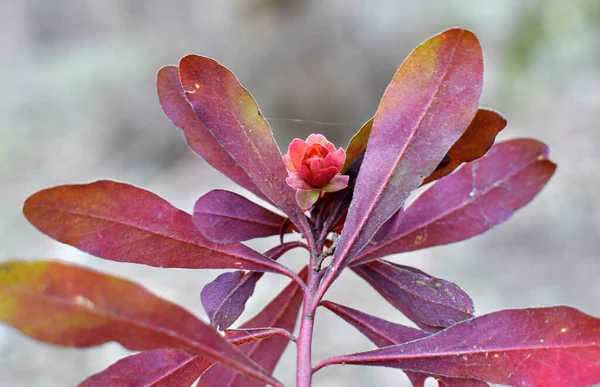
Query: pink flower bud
<point x="313" y="167"/>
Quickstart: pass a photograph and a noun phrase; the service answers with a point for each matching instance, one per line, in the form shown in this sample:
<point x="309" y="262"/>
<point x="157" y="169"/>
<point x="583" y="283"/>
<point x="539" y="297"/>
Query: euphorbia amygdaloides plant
<point x="346" y="208"/>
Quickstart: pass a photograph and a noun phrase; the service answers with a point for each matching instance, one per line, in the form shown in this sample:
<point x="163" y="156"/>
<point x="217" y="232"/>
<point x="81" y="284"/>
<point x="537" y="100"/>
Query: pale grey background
<point x="78" y="103"/>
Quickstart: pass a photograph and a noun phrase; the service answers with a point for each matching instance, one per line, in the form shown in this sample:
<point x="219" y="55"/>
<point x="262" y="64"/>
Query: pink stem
<point x="304" y="369"/>
<point x="326" y="282"/>
<point x="304" y="345"/>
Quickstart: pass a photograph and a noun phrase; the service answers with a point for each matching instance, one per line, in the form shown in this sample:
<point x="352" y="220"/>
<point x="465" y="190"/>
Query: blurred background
<point x="78" y="103"/>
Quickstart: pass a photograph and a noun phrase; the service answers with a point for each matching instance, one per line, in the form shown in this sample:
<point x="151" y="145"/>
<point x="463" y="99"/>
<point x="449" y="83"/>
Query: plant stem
<point x="304" y="344"/>
<point x="304" y="369"/>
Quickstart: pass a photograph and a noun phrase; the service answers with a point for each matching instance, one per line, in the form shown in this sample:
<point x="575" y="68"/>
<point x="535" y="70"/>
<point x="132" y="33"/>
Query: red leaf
<point x="168" y="367"/>
<point x="69" y="305"/>
<point x="226" y="217"/>
<point x="556" y="346"/>
<point x="431" y="303"/>
<point x="385" y="333"/>
<point x="471" y="201"/>
<point x="358" y="144"/>
<point x="124" y="223"/>
<point x="425" y="109"/>
<point x="282" y="312"/>
<point x="156" y="368"/>
<point x="224" y="299"/>
<point x="231" y="115"/>
<point x="176" y="106"/>
<point x="474" y="143"/>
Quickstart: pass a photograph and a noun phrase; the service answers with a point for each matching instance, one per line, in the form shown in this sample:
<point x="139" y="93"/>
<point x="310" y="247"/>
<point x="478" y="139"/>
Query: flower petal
<point x="330" y="147"/>
<point x="296" y="152"/>
<point x="306" y="199"/>
<point x="339" y="182"/>
<point x="321" y="140"/>
<point x="336" y="159"/>
<point x="289" y="165"/>
<point x="306" y="174"/>
<point x="315" y="151"/>
<point x="324" y="176"/>
<point x="315" y="166"/>
<point x="296" y="182"/>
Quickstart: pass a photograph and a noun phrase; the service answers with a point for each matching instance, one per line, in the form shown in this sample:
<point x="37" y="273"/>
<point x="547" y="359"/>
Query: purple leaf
<point x="177" y="107"/>
<point x="425" y="109"/>
<point x="124" y="223"/>
<point x="385" y="333"/>
<point x="231" y="115"/>
<point x="226" y="217"/>
<point x="224" y="299"/>
<point x="431" y="303"/>
<point x="156" y="368"/>
<point x="282" y="312"/>
<point x="555" y="346"/>
<point x="381" y="332"/>
<point x="477" y="197"/>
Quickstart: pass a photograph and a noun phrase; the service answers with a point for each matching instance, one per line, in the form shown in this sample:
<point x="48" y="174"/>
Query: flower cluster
<point x="314" y="166"/>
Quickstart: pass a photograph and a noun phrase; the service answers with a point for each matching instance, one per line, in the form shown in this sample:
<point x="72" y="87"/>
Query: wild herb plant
<point x="346" y="208"/>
